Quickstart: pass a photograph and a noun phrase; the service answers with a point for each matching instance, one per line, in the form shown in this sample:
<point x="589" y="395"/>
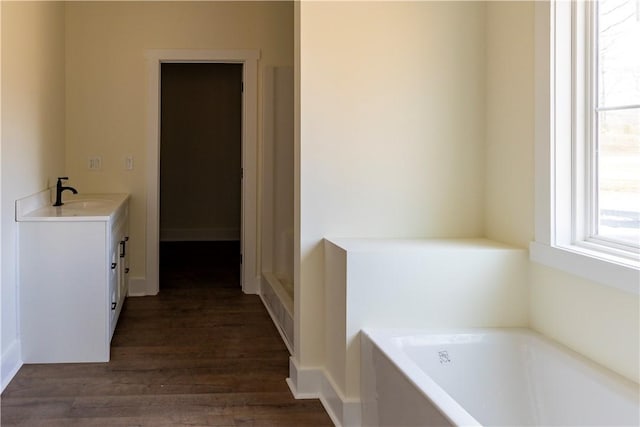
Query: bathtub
<point x="491" y="377"/>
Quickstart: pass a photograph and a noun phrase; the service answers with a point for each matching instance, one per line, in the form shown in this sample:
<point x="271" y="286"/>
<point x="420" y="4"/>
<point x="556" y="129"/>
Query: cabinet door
<point x="120" y="245"/>
<point x="113" y="287"/>
<point x="123" y="265"/>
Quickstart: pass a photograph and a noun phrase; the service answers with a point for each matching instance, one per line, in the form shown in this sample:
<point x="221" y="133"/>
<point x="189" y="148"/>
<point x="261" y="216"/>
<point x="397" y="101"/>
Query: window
<point x="615" y="114"/>
<point x="588" y="140"/>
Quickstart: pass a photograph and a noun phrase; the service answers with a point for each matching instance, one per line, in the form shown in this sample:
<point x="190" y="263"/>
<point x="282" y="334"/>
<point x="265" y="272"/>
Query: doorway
<point x="200" y="160"/>
<point x="249" y="213"/>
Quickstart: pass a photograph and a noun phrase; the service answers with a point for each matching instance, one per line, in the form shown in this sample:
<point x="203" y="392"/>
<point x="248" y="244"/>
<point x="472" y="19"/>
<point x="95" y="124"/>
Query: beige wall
<point x="391" y="132"/>
<point x="278" y="177"/>
<point x="283" y="174"/>
<point x="106" y="79"/>
<point x="33" y="148"/>
<point x="597" y="321"/>
<point x="509" y="123"/>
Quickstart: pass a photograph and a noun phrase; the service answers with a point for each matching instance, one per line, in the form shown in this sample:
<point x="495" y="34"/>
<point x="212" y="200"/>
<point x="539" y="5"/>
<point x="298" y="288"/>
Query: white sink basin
<point x="87" y="204"/>
<point x="85" y="207"/>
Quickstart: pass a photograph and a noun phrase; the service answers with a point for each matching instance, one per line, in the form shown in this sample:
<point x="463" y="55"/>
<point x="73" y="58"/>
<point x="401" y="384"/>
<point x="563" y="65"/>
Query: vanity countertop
<point x="76" y="207"/>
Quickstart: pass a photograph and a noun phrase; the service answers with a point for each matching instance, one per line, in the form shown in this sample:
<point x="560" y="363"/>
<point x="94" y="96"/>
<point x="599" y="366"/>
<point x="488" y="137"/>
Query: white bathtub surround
<point x="487" y="377"/>
<point x="408" y="283"/>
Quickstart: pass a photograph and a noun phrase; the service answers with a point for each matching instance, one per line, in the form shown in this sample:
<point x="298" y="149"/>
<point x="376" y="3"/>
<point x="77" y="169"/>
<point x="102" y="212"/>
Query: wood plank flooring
<point x="200" y="353"/>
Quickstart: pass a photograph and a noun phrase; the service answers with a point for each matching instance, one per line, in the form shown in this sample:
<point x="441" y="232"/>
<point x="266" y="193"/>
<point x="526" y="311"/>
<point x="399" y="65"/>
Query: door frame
<point x="249" y="277"/>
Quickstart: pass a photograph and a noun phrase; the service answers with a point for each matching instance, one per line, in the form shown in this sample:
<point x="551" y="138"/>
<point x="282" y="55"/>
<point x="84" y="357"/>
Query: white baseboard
<point x="305" y="383"/>
<point x="11" y="363"/>
<point x="251" y="285"/>
<point x="199" y="234"/>
<point x="343" y="412"/>
<point x="315" y="383"/>
<point x="137" y="287"/>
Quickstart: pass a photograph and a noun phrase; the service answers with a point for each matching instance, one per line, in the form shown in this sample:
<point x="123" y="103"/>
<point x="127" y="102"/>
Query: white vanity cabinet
<point x="73" y="264"/>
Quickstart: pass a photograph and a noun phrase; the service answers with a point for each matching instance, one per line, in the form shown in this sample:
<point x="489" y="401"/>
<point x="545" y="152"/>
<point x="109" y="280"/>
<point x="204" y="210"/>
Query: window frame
<point x="588" y="56"/>
<point x="562" y="178"/>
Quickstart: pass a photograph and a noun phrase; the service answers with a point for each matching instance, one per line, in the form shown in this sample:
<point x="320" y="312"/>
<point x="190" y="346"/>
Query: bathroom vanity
<point x="73" y="264"/>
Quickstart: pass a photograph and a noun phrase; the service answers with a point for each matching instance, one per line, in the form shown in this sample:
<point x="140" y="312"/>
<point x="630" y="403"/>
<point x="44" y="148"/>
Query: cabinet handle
<point x="114" y="305"/>
<point x="113" y="265"/>
<point x="123" y="246"/>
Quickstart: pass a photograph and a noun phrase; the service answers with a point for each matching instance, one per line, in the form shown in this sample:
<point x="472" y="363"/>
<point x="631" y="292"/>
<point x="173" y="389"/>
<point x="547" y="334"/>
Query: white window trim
<point x="553" y="245"/>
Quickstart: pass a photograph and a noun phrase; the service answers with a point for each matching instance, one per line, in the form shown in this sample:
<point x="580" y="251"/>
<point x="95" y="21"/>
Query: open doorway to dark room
<point x="200" y="173"/>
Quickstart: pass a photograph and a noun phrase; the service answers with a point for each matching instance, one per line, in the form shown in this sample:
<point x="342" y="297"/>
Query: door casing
<point x="250" y="278"/>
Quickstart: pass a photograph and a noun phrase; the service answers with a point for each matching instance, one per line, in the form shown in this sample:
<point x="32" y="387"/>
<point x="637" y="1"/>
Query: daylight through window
<point x="615" y="122"/>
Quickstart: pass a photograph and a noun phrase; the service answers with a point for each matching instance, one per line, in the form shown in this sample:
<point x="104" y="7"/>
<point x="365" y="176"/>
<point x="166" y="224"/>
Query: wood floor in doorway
<point x="200" y="353"/>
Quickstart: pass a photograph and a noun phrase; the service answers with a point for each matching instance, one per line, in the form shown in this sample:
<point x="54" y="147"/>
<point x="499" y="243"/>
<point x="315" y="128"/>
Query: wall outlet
<point x="95" y="163"/>
<point x="128" y="163"/>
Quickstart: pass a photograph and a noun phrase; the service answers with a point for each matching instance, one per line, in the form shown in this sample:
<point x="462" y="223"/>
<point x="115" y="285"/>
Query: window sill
<point x="619" y="273"/>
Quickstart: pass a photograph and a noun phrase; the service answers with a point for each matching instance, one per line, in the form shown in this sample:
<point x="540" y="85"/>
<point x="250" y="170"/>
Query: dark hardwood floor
<point x="200" y="353"/>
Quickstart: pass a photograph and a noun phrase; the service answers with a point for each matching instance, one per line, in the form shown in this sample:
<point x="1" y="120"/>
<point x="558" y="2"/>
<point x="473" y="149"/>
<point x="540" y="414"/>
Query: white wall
<point x="599" y="322"/>
<point x="33" y="148"/>
<point x="106" y="80"/>
<point x="391" y="132"/>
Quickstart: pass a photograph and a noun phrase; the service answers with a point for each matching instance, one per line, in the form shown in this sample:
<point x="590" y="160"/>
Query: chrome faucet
<point x="60" y="189"/>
